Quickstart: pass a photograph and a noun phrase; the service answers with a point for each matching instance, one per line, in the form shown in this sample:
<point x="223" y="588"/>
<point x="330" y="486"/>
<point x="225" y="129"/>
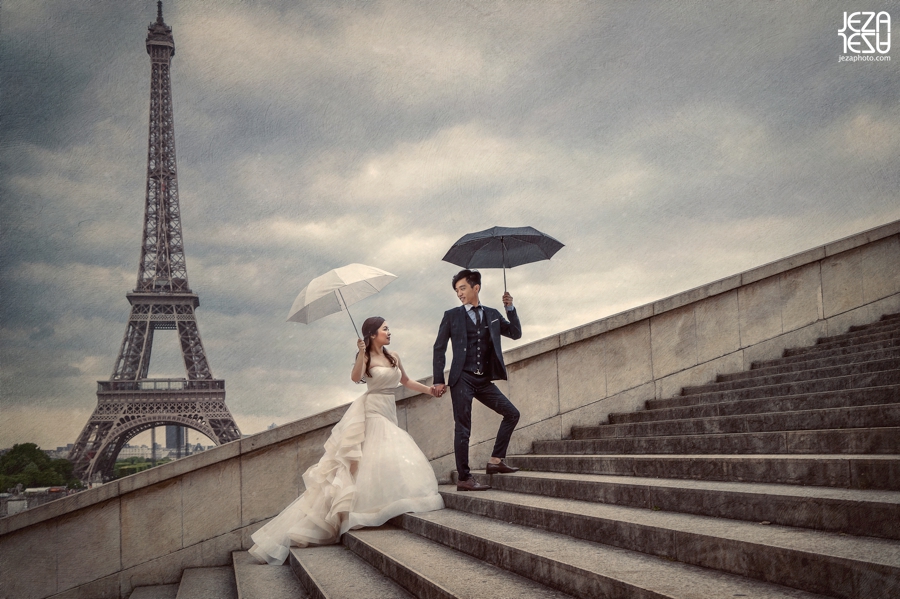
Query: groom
<point x="475" y="331"/>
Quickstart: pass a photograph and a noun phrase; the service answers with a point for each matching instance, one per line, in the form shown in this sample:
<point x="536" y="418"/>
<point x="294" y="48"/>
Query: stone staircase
<point x="782" y="481"/>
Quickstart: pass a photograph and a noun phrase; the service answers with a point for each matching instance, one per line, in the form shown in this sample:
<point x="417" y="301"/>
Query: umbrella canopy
<point x="336" y="290"/>
<point x="504" y="247"/>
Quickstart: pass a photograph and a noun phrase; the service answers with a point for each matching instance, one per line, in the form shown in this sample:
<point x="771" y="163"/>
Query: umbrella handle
<point x="347" y="308"/>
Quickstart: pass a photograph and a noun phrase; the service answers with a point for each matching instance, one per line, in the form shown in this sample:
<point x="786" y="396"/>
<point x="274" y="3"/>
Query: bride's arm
<point x="409" y="383"/>
<point x="359" y="367"/>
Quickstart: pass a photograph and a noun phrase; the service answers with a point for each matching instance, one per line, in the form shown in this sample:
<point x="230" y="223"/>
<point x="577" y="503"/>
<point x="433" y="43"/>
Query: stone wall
<point x="147" y="528"/>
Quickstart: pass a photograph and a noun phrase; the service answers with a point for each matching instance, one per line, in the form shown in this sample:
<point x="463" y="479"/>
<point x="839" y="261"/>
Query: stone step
<point x="828" y="354"/>
<point x="829" y="399"/>
<point x="839" y="383"/>
<point x="818" y="419"/>
<point x="262" y="581"/>
<point x="335" y="572"/>
<point x="850" y="511"/>
<point x="886" y="319"/>
<point x="866" y="356"/>
<point x="580" y="567"/>
<point x="207" y="583"/>
<point x="881" y="472"/>
<point x="159" y="591"/>
<point x="879" y="326"/>
<point x="817" y="562"/>
<point x="430" y="570"/>
<point x="765" y="380"/>
<point x="858" y="340"/>
<point x="882" y="440"/>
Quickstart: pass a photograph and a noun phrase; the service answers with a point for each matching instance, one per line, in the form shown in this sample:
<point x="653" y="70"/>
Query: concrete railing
<point x="147" y="528"/>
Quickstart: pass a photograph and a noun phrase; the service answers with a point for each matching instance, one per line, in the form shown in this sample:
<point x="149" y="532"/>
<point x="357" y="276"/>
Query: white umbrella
<point x="336" y="290"/>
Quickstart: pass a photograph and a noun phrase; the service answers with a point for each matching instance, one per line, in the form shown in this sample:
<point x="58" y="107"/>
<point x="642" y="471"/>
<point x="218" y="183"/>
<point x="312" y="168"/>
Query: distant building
<point x="31" y="498"/>
<point x="12" y="504"/>
<point x="174" y="437"/>
<point x="139" y="452"/>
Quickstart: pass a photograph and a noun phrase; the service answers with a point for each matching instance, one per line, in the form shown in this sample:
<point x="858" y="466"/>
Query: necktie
<point x="478" y="315"/>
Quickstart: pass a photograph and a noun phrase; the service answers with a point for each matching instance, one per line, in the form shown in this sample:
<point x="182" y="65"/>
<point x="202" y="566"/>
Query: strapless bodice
<point x="383" y="379"/>
<point x="380" y="395"/>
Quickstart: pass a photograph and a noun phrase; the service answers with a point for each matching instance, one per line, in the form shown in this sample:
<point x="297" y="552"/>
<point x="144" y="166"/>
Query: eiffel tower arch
<point x="130" y="403"/>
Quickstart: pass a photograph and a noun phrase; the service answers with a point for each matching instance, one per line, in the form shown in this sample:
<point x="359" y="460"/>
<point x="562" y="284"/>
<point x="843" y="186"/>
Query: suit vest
<point x="479" y="347"/>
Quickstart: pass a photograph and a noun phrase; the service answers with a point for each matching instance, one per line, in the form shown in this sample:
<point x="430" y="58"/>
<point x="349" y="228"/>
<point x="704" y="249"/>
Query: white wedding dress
<point x="372" y="470"/>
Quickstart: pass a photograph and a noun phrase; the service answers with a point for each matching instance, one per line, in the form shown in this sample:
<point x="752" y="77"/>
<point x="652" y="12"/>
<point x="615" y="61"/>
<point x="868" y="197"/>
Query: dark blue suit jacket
<point x="453" y="328"/>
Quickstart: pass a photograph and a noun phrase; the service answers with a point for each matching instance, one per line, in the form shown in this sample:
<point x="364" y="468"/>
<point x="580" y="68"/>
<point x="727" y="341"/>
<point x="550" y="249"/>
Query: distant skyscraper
<point x="174" y="437"/>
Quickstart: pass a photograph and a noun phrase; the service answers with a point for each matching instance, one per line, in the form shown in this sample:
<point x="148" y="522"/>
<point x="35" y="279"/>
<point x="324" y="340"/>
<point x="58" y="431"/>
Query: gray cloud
<point x="667" y="144"/>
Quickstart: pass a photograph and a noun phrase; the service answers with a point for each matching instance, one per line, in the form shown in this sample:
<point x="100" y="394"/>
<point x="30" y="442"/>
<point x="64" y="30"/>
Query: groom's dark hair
<point x="472" y="277"/>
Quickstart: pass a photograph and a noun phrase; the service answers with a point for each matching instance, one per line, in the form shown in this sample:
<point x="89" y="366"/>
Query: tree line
<point x="28" y="465"/>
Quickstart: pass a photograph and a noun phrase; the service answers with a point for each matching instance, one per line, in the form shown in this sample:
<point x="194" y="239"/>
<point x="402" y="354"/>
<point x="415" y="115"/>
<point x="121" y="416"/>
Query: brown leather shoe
<point x="500" y="468"/>
<point x="471" y="485"/>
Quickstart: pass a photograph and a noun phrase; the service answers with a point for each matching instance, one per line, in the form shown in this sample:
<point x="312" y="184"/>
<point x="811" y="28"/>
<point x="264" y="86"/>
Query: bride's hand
<point x="362" y="347"/>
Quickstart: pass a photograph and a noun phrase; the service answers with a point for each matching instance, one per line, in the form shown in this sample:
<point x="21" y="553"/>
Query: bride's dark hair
<point x="369" y="331"/>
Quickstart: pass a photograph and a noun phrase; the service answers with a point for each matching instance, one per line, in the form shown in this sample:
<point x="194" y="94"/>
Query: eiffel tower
<point x="129" y="402"/>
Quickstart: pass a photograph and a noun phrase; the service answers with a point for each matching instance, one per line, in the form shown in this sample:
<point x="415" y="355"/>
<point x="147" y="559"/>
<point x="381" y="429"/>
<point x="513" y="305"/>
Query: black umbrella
<point x="504" y="247"/>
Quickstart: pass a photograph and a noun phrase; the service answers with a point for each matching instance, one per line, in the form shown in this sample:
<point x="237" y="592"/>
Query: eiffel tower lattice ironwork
<point x="129" y="402"/>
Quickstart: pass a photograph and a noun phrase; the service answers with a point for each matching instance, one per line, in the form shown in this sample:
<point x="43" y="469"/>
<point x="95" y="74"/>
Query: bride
<point x="372" y="469"/>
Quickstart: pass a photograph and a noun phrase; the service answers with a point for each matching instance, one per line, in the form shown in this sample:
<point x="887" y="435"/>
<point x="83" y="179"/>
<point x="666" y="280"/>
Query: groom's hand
<point x="439" y="390"/>
<point x="507" y="299"/>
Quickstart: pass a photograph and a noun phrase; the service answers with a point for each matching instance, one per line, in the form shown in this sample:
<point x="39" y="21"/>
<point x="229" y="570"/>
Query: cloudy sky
<point x="667" y="144"/>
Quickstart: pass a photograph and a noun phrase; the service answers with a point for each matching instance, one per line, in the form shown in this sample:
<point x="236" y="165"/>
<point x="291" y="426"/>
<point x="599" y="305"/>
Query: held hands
<point x="437" y="390"/>
<point x="507" y="299"/>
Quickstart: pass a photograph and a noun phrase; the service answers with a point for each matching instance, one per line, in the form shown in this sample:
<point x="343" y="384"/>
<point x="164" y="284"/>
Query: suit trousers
<point x="479" y="387"/>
